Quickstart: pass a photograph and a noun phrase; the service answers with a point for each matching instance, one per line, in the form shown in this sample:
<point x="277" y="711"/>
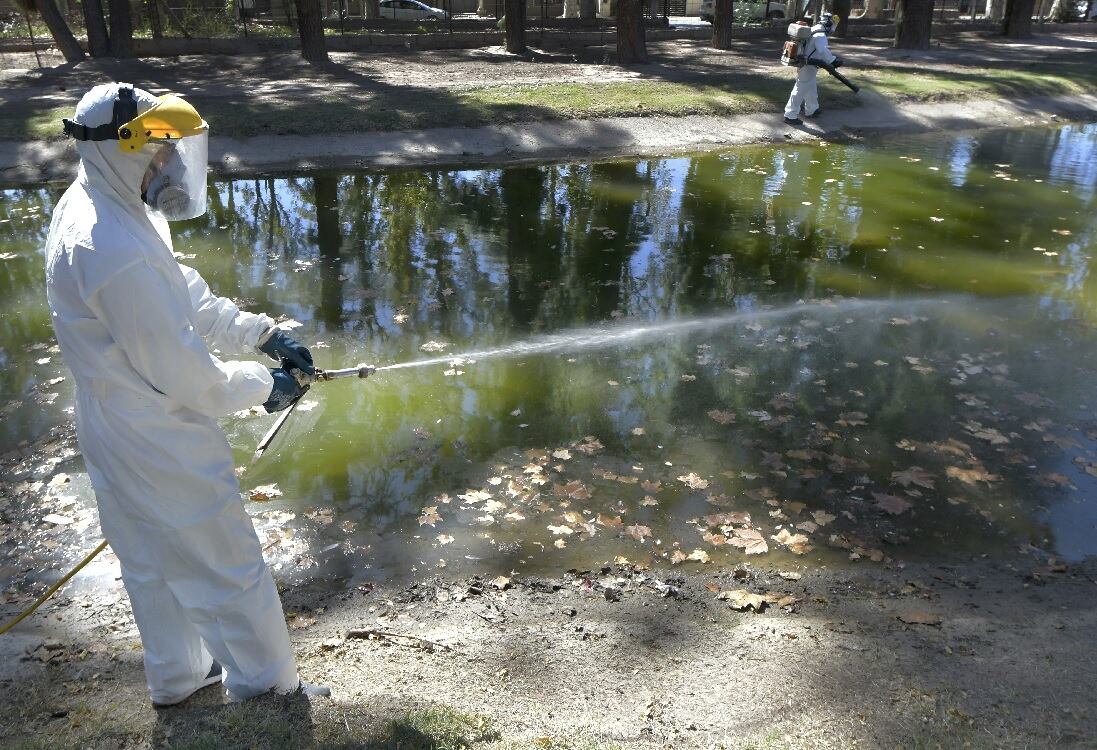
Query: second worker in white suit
<point x="805" y="92"/>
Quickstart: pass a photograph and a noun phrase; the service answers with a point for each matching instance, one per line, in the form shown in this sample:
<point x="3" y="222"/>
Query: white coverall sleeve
<point x="822" y="50"/>
<point x="139" y="308"/>
<point x="219" y="321"/>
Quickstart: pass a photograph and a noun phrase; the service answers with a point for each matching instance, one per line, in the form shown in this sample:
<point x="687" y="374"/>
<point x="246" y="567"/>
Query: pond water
<point x="793" y="355"/>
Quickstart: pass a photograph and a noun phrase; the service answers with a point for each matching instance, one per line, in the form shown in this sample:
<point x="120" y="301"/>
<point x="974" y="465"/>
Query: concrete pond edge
<point x="28" y="162"/>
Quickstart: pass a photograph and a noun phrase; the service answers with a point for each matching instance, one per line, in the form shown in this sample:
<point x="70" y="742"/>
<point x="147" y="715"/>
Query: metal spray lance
<point x="305" y="380"/>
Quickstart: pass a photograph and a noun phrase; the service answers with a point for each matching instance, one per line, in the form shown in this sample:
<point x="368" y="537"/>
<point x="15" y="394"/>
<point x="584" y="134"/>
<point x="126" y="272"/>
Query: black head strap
<point x="125" y="109"/>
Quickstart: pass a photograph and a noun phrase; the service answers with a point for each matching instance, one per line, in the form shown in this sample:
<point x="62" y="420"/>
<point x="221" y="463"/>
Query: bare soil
<point x="973" y="654"/>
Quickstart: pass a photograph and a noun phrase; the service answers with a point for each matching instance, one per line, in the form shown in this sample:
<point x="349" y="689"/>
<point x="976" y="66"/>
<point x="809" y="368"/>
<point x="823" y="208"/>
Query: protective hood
<point x="104" y="168"/>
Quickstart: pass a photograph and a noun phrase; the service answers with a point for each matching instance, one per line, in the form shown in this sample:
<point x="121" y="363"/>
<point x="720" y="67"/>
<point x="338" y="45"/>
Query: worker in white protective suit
<point x="805" y="92"/>
<point x="136" y="328"/>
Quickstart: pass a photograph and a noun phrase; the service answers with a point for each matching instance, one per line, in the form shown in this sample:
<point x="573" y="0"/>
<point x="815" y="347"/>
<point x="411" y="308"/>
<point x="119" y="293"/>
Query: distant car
<point x="758" y="10"/>
<point x="410" y="10"/>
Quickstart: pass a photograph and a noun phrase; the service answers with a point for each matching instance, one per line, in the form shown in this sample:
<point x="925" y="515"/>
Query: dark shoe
<point x="213" y="677"/>
<point x="814" y="114"/>
<point x="793" y="121"/>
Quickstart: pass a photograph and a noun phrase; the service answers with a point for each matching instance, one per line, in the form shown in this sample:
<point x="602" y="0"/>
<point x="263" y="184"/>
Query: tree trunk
<point x="154" y="19"/>
<point x="588" y="9"/>
<point x="1019" y="19"/>
<point x="996" y="10"/>
<point x="913" y="23"/>
<point x="723" y="17"/>
<point x="874" y="10"/>
<point x="571" y="8"/>
<point x="310" y="27"/>
<point x="514" y="11"/>
<point x="372" y="9"/>
<point x="631" y="44"/>
<point x="1089" y="10"/>
<point x="60" y="31"/>
<point x="98" y="41"/>
<point x="121" y="29"/>
<point x="842" y="9"/>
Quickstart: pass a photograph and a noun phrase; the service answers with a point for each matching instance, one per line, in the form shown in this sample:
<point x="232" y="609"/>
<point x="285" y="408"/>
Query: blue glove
<point x="283" y="348"/>
<point x="286" y="390"/>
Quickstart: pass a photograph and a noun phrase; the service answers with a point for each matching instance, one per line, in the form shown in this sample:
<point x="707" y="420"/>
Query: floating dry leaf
<point x="971" y="476"/>
<point x="444" y="539"/>
<point x="727" y="519"/>
<point x="638" y="532"/>
<point x="265" y="492"/>
<point x="698" y="555"/>
<point x="914" y="475"/>
<point x="429" y="516"/>
<point x="721" y="417"/>
<point x="749" y="540"/>
<point x="693" y="481"/>
<point x="891" y="503"/>
<point x="797" y="543"/>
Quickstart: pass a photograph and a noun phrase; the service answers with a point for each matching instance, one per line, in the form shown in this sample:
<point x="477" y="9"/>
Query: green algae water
<point x="833" y="354"/>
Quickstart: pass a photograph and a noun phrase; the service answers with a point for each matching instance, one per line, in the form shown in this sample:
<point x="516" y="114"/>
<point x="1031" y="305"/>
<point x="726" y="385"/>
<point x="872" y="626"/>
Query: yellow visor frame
<point x="171" y="118"/>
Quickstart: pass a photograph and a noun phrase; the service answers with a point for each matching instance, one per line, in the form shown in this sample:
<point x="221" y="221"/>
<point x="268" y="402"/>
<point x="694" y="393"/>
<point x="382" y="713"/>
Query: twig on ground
<point x="417" y="642"/>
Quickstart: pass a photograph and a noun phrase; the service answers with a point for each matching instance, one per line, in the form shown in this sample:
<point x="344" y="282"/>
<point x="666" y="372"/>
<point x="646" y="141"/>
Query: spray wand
<point x="305" y="380"/>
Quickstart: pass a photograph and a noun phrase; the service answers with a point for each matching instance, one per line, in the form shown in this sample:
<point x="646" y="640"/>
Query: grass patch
<point x="945" y="85"/>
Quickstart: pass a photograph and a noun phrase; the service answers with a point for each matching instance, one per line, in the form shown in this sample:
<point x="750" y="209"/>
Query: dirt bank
<point x="973" y="654"/>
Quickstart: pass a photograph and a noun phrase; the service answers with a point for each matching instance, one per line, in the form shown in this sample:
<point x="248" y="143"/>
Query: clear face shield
<point x="177" y="140"/>
<point x="175" y="183"/>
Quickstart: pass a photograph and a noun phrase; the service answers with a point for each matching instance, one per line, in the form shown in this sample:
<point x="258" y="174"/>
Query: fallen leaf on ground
<point x="742" y="600"/>
<point x="638" y="532"/>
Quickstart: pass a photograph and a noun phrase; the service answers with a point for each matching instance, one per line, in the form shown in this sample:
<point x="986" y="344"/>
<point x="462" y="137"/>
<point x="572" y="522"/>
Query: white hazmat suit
<point x="805" y="92"/>
<point x="136" y="329"/>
